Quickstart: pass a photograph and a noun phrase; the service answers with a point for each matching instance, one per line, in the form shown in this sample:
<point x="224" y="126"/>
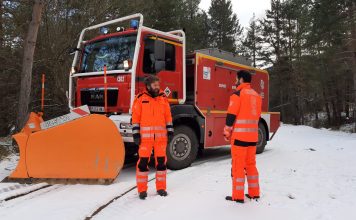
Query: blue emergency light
<point x="134" y="24"/>
<point x="104" y="30"/>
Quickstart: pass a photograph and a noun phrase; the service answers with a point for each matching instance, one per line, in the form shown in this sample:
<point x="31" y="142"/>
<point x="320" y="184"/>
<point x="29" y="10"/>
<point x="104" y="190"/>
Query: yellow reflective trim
<point x="161" y="172"/>
<point x="241" y="121"/>
<point x="147" y="135"/>
<point x="253" y="185"/>
<point x="252" y="177"/>
<point x="246" y="130"/>
<point x="146" y="128"/>
<point x="222" y="111"/>
<point x="160" y="135"/>
<point x="142" y="173"/>
<point x="271" y="113"/>
<point x="241" y="180"/>
<point x="239" y="187"/>
<point x="230" y="63"/>
<point x="214" y="111"/>
<point x="166" y="41"/>
<point x="140" y="180"/>
<point x="173" y="100"/>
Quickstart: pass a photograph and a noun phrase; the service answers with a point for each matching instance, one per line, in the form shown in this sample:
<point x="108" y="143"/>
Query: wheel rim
<point x="180" y="147"/>
<point x="260" y="137"/>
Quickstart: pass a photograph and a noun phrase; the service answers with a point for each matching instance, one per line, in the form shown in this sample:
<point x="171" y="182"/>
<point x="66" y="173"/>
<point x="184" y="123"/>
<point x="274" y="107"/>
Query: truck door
<point x="163" y="58"/>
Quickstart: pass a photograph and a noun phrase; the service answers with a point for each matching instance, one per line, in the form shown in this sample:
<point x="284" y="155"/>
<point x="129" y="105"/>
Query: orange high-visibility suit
<point x="242" y="119"/>
<point x="151" y="120"/>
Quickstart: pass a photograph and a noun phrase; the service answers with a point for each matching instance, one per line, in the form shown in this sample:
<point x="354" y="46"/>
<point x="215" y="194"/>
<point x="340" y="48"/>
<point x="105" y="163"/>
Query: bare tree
<point x="27" y="62"/>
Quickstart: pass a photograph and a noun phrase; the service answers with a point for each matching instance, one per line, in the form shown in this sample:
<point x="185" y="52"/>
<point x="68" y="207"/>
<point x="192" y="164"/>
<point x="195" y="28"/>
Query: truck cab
<point x="108" y="71"/>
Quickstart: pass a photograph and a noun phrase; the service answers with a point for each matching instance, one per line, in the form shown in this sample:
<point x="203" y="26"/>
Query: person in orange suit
<point x="241" y="130"/>
<point x="152" y="128"/>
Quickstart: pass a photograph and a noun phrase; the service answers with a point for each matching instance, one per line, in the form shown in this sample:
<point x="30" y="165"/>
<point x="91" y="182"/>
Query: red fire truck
<point x="198" y="85"/>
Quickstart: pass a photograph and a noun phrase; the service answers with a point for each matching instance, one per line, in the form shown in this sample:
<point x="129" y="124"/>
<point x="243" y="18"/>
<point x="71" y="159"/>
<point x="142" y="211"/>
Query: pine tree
<point x="225" y="29"/>
<point x="272" y="32"/>
<point x="195" y="23"/>
<point x="253" y="40"/>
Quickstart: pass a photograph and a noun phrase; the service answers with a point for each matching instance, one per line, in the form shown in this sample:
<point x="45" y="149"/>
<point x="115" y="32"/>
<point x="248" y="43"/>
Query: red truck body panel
<point x="171" y="79"/>
<point x="215" y="80"/>
<point x="210" y="81"/>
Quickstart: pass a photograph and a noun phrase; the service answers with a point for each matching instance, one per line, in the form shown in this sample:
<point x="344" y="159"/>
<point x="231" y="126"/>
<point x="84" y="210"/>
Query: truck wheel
<point x="262" y="134"/>
<point x="183" y="149"/>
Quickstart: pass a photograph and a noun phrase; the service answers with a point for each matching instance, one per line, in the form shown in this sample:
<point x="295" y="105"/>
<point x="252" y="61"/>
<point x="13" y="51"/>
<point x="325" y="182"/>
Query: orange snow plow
<point x="73" y="146"/>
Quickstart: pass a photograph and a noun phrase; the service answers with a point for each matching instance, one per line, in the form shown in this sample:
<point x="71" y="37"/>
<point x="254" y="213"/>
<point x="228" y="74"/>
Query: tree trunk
<point x="27" y="63"/>
<point x="335" y="118"/>
<point x="353" y="48"/>
<point x="1" y="25"/>
<point x="327" y="109"/>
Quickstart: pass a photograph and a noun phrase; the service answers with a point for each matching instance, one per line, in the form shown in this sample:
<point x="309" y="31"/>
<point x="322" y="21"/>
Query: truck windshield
<point x="111" y="52"/>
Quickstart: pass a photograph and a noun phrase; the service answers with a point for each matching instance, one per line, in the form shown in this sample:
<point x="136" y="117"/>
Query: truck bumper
<point x="126" y="133"/>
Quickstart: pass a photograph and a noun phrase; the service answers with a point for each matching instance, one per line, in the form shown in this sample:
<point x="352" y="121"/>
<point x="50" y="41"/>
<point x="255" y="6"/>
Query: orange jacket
<point x="243" y="115"/>
<point x="151" y="117"/>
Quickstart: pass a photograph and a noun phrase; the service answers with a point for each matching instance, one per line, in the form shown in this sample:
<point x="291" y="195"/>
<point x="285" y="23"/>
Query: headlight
<point x="125" y="125"/>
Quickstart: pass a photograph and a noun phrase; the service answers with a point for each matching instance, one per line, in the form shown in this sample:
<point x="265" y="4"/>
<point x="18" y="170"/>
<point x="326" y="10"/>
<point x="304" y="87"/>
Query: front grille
<point x="95" y="96"/>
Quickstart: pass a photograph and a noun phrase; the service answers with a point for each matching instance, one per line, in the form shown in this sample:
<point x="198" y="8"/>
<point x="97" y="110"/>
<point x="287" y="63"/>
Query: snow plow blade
<point x="88" y="147"/>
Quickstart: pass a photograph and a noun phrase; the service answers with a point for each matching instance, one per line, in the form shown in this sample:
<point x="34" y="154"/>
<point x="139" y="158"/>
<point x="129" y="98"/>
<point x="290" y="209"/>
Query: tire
<point x="262" y="138"/>
<point x="183" y="149"/>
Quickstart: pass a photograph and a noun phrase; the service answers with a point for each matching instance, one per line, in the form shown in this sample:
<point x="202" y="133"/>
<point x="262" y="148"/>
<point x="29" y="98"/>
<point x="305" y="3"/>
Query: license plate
<point x="96" y="108"/>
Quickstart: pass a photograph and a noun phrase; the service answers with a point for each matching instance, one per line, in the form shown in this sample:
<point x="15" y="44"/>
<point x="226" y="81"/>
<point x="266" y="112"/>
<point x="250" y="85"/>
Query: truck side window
<point x="149" y="60"/>
<point x="170" y="57"/>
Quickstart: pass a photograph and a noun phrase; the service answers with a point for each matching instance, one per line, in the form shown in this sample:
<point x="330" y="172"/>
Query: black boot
<point x="143" y="195"/>
<point x="229" y="198"/>
<point x="254" y="197"/>
<point x="162" y="192"/>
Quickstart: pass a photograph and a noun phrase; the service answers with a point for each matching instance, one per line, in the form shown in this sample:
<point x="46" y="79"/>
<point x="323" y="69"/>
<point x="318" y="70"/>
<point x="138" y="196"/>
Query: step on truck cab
<point x="198" y="85"/>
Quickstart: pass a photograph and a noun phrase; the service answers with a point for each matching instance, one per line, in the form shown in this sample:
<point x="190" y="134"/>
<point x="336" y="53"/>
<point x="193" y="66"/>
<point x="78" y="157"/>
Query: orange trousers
<point x="144" y="152"/>
<point x="244" y="164"/>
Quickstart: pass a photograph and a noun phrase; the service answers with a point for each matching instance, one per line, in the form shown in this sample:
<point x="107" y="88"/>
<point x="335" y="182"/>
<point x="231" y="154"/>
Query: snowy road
<point x="305" y="173"/>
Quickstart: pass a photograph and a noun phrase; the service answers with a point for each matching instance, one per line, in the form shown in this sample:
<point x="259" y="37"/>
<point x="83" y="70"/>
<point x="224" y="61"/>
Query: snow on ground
<point x="6" y="165"/>
<point x="305" y="173"/>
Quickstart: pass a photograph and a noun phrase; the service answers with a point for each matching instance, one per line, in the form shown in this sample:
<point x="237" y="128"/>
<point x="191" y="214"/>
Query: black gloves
<point x="170" y="136"/>
<point x="137" y="138"/>
<point x="170" y="131"/>
<point x="136" y="133"/>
